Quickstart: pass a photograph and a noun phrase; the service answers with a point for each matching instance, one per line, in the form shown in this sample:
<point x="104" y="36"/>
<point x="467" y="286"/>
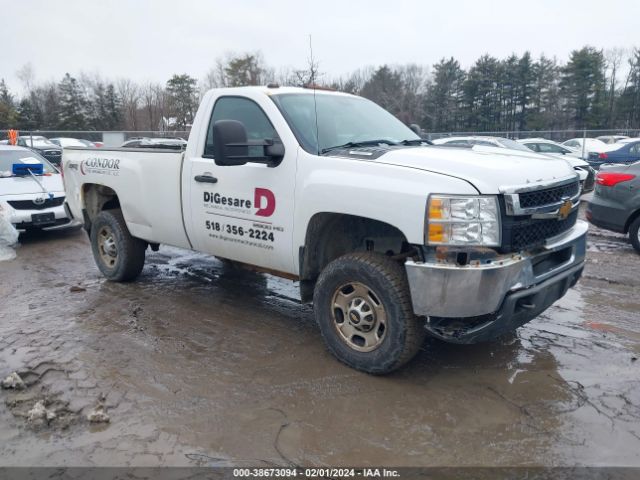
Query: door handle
<point x="205" y="179"/>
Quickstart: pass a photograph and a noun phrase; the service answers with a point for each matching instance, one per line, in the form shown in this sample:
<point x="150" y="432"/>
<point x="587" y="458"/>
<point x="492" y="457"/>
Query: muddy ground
<point x="200" y="364"/>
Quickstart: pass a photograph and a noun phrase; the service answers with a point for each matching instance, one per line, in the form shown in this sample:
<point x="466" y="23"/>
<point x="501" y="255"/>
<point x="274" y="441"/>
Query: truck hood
<point x="486" y="168"/>
<point x="26" y="185"/>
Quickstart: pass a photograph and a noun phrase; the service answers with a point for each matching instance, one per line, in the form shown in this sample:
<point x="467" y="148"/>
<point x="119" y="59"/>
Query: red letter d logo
<point x="265" y="201"/>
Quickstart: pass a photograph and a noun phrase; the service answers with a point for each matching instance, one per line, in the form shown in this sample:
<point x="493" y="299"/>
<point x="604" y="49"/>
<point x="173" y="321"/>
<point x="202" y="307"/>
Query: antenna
<point x="313" y="85"/>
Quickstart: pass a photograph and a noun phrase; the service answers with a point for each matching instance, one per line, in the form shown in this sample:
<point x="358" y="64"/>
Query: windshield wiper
<point x="416" y="141"/>
<point x="363" y="143"/>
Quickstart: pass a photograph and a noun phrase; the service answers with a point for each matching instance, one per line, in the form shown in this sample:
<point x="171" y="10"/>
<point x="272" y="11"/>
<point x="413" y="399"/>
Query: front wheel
<point x="634" y="234"/>
<point x="119" y="256"/>
<point x="363" y="308"/>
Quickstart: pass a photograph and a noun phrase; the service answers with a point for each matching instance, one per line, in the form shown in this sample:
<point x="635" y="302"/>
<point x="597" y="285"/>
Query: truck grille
<point x="526" y="233"/>
<point x="31" y="205"/>
<point x="540" y="198"/>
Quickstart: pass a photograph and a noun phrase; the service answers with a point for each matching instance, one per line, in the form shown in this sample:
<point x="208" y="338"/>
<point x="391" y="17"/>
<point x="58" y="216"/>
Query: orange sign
<point x="13" y="137"/>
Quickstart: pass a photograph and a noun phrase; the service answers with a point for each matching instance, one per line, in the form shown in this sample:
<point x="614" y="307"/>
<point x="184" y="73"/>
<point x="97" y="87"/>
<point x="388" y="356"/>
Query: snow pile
<point x="13" y="381"/>
<point x="39" y="414"/>
<point x="8" y="236"/>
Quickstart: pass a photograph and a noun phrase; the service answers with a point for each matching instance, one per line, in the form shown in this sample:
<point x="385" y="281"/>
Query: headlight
<point x="453" y="220"/>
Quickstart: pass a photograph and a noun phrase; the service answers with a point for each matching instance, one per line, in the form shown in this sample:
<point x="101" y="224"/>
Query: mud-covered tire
<point x="634" y="234"/>
<point x="385" y="284"/>
<point x="118" y="255"/>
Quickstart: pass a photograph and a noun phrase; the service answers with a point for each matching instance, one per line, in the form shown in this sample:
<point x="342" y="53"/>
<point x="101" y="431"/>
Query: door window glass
<point x="255" y="121"/>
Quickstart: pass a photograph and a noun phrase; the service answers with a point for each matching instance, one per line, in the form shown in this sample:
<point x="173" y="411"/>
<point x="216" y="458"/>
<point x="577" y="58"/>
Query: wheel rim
<point x="359" y="317"/>
<point x="107" y="246"/>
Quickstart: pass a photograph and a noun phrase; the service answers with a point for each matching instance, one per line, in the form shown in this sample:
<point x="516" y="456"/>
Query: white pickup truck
<point x="390" y="238"/>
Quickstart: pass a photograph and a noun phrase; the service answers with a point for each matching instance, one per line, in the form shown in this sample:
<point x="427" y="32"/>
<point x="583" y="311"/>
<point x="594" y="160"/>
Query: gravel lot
<point x="201" y="364"/>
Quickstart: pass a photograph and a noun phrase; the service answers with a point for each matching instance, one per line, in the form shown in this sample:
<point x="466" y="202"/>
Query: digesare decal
<point x="240" y="219"/>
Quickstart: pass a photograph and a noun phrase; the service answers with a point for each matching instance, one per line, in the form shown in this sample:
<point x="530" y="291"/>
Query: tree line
<point x="592" y="89"/>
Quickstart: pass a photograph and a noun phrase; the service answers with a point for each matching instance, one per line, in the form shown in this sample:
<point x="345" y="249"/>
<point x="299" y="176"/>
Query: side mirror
<point x="231" y="146"/>
<point x="229" y="143"/>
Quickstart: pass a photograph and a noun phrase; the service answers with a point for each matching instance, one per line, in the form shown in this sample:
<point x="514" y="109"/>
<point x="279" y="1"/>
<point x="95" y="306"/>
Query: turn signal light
<point x="436" y="207"/>
<point x="436" y="233"/>
<point x="609" y="179"/>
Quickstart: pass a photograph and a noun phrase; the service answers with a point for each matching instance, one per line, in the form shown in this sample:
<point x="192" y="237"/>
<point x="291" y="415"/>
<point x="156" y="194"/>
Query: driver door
<point x="243" y="212"/>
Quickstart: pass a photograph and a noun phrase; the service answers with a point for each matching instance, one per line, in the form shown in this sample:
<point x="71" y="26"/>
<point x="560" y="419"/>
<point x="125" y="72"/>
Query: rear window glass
<point x="9" y="157"/>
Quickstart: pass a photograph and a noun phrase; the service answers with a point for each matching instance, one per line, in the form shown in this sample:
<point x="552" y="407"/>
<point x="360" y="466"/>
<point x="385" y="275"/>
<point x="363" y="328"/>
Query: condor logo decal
<point x="262" y="205"/>
<point x="101" y="166"/>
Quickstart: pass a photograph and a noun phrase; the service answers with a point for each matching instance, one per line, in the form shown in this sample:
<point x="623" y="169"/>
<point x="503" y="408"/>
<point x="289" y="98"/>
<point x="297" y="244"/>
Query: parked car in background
<point x="480" y="140"/>
<point x="580" y="166"/>
<point x="624" y="153"/>
<point x="43" y="146"/>
<point x="160" y="142"/>
<point x="616" y="201"/>
<point x="611" y="138"/>
<point x="32" y="203"/>
<point x="72" y="142"/>
<point x="629" y="140"/>
<point x="554" y="149"/>
<point x="584" y="146"/>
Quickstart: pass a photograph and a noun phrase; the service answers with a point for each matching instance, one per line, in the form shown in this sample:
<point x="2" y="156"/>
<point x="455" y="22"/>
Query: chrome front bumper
<point x="441" y="289"/>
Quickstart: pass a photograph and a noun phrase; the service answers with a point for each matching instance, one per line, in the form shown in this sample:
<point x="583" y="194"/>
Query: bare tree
<point x="129" y="93"/>
<point x="27" y="76"/>
<point x="614" y="58"/>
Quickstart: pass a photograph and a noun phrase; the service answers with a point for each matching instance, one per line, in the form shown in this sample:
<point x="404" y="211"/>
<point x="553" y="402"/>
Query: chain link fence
<point x="107" y="138"/>
<point x="117" y="138"/>
<point x="555" y="135"/>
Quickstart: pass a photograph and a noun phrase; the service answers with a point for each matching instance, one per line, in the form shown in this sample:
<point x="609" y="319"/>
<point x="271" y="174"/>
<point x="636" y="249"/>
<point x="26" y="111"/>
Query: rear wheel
<point x="634" y="234"/>
<point x="119" y="256"/>
<point x="363" y="308"/>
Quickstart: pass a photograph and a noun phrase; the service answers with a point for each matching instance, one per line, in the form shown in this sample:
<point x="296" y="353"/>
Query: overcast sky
<point x="153" y="39"/>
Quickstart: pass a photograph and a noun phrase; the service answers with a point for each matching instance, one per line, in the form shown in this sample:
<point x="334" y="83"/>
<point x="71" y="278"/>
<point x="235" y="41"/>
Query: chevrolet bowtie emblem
<point x="565" y="210"/>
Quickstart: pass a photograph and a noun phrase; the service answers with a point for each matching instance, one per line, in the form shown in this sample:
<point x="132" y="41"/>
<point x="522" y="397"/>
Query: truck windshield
<point x="341" y="120"/>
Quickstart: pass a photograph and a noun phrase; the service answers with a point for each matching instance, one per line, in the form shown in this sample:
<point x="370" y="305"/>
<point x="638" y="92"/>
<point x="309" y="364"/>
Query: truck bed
<point x="146" y="180"/>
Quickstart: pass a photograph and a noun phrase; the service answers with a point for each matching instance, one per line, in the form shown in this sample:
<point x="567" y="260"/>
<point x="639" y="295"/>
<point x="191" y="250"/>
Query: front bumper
<point x="479" y="301"/>
<point x="22" y="219"/>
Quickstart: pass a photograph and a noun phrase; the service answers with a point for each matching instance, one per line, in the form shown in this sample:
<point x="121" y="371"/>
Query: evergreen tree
<point x="183" y="98"/>
<point x="72" y="105"/>
<point x="525" y="75"/>
<point x="113" y="109"/>
<point x="444" y="98"/>
<point x="383" y="88"/>
<point x="29" y="117"/>
<point x="244" y="70"/>
<point x="8" y="113"/>
<point x="583" y="87"/>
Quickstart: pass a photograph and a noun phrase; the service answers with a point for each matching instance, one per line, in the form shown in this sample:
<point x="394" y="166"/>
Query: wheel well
<point x="630" y="220"/>
<point x="96" y="199"/>
<point x="331" y="235"/>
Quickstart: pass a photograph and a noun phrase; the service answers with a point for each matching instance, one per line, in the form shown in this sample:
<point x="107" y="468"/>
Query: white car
<point x="580" y="166"/>
<point x="470" y="141"/>
<point x="554" y="149"/>
<point x="628" y="140"/>
<point x="71" y="142"/>
<point x="584" y="146"/>
<point x="611" y="138"/>
<point x="33" y="201"/>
